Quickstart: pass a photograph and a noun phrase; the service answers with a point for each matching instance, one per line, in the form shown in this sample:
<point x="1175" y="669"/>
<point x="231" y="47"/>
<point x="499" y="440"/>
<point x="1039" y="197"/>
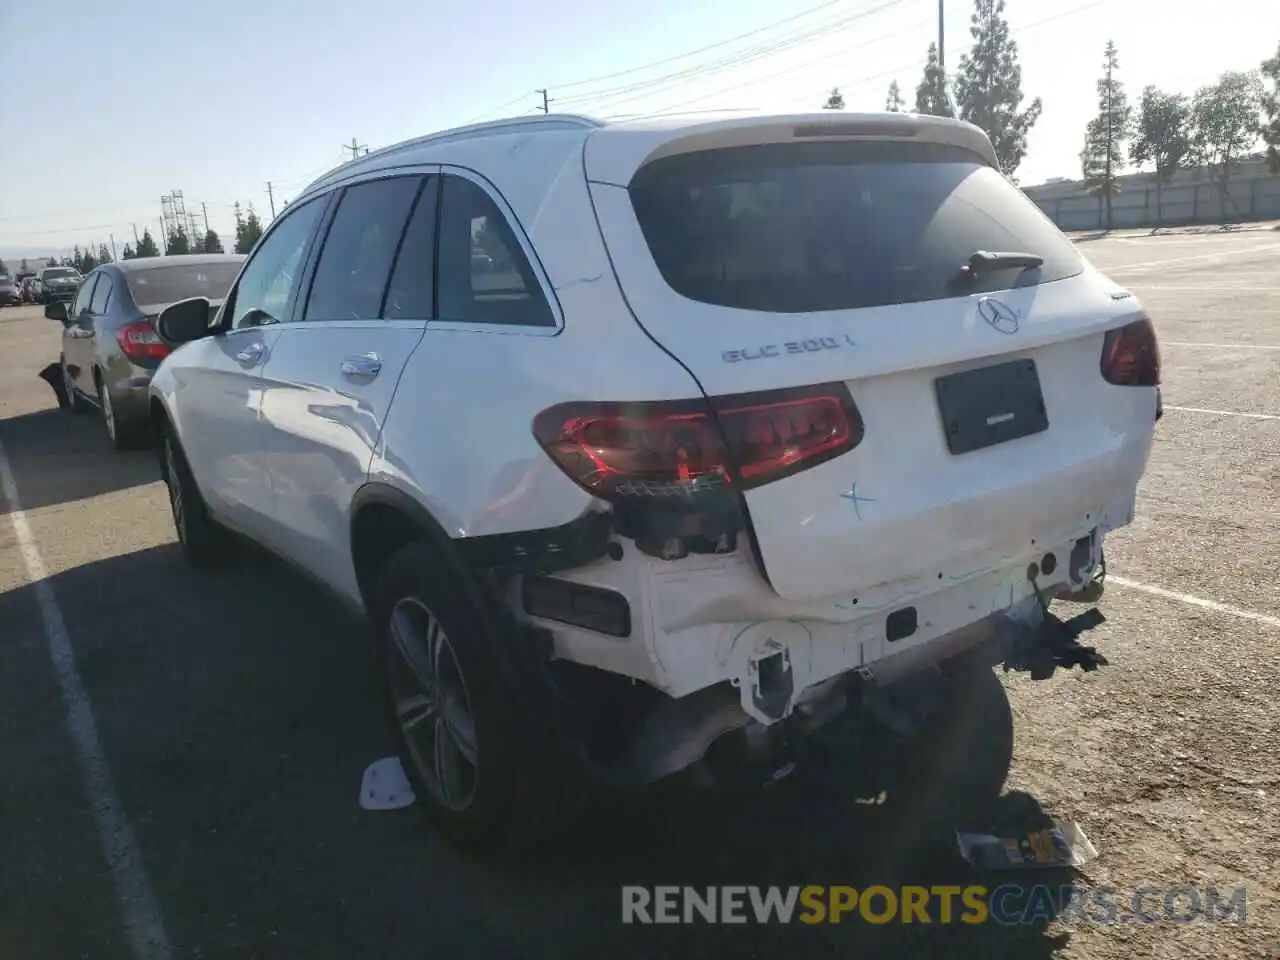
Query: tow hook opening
<point x="772" y="683"/>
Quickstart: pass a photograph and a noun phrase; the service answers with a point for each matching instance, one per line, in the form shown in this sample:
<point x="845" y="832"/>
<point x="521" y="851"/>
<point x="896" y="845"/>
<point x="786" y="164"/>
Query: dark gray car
<point x="110" y="347"/>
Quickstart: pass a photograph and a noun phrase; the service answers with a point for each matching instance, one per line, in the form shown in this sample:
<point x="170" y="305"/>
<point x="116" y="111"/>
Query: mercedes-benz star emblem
<point x="998" y="315"/>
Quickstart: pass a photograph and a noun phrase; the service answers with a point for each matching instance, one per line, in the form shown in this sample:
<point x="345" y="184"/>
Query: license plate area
<point x="991" y="405"/>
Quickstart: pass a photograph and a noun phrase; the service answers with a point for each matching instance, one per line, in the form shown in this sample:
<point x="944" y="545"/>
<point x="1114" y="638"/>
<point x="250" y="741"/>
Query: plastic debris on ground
<point x="385" y="786"/>
<point x="1062" y="845"/>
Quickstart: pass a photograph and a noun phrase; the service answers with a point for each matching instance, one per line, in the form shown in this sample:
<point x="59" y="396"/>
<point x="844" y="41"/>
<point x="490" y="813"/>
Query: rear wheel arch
<point x="385" y="519"/>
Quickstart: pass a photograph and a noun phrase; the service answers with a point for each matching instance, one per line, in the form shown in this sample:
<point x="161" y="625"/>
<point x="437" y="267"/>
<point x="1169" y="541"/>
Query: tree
<point x="1224" y="122"/>
<point x="1271" y="107"/>
<point x="147" y="246"/>
<point x="989" y="86"/>
<point x="177" y="243"/>
<point x="1103" y="157"/>
<point x="1162" y="137"/>
<point x="87" y="262"/>
<point x="894" y="102"/>
<point x="932" y="97"/>
<point x="248" y="229"/>
<point x="835" y="101"/>
<point x="127" y="253"/>
<point x="77" y="258"/>
<point x="51" y="262"/>
<point x="104" y="255"/>
<point x="212" y="242"/>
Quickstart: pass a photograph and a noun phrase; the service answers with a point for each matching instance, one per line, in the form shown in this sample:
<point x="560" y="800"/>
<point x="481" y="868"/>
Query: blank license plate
<point x="981" y="408"/>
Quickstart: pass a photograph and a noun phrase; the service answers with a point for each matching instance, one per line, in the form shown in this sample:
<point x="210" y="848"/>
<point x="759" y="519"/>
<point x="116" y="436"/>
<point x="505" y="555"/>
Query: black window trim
<point x="103" y="275"/>
<point x="228" y="308"/>
<point x="92" y="281"/>
<point x="298" y="316"/>
<point x="526" y="248"/>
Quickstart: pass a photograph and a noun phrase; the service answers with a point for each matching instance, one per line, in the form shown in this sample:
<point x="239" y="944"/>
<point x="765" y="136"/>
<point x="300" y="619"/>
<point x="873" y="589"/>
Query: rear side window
<point x="805" y="227"/>
<point x="355" y="262"/>
<point x="484" y="276"/>
<point x="180" y="281"/>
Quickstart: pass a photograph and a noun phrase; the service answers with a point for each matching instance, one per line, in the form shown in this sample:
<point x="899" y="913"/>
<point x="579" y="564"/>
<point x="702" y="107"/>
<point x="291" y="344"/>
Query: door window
<point x="484" y="275"/>
<point x="270" y="279"/>
<point x="83" y="295"/>
<point x="411" y="295"/>
<point x="355" y="261"/>
<point x="101" y="295"/>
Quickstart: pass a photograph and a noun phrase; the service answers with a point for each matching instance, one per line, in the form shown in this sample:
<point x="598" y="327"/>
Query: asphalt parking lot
<point x="226" y="719"/>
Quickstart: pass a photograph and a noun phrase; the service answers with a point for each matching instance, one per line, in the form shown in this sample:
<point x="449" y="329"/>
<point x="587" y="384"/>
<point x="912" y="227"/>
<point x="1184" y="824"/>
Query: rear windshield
<point x="803" y="227"/>
<point x="60" y="273"/>
<point x="180" y="281"/>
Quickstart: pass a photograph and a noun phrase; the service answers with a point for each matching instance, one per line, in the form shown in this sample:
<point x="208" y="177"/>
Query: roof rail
<point x="546" y="122"/>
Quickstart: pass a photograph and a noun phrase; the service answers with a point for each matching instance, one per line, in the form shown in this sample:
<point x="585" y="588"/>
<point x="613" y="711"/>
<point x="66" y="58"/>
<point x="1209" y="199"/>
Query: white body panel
<point x="448" y="422"/>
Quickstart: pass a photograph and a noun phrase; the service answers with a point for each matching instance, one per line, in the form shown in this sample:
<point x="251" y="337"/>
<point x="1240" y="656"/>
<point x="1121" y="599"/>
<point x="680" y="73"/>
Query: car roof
<point x="190" y="259"/>
<point x="632" y="134"/>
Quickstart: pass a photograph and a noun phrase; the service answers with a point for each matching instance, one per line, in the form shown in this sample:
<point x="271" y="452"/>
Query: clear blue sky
<point x="136" y="98"/>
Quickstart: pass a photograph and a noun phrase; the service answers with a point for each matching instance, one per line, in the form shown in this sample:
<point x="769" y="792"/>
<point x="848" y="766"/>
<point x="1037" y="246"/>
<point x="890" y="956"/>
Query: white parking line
<point x="1225" y="413"/>
<point x="142" y="920"/>
<point x="1170" y="261"/>
<point x="1196" y="601"/>
<point x="1221" y="346"/>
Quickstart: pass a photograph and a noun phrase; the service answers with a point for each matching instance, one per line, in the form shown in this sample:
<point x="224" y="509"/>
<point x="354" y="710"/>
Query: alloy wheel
<point x="432" y="705"/>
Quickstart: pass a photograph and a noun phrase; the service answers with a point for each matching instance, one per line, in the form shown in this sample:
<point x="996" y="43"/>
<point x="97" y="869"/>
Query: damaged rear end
<point x="923" y="411"/>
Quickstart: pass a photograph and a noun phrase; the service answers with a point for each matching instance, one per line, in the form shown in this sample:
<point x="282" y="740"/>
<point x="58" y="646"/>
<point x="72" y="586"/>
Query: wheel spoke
<point x="415" y="710"/>
<point x="460" y="728"/>
<point x="404" y="634"/>
<point x="450" y="772"/>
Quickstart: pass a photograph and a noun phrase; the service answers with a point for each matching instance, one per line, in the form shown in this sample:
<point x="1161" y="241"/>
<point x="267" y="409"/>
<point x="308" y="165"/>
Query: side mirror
<point x="185" y="320"/>
<point x="56" y="311"/>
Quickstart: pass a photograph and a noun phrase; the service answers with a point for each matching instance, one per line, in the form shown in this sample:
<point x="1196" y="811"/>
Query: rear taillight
<point x="1131" y="355"/>
<point x="689" y="449"/>
<point x="139" y="341"/>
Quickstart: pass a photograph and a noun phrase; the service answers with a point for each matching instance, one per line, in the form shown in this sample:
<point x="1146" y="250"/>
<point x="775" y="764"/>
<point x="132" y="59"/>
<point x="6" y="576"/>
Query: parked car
<point x="9" y="293"/>
<point x="110" y="347"/>
<point x="769" y="416"/>
<point x="59" y="284"/>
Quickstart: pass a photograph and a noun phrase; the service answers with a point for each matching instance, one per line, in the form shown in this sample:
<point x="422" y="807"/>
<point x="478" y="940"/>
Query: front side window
<point x="84" y="294"/>
<point x="355" y="261"/>
<point x="101" y="295"/>
<point x="805" y="227"/>
<point x="270" y="279"/>
<point x="484" y="275"/>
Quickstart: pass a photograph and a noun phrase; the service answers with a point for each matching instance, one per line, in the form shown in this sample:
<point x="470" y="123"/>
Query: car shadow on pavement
<point x="238" y="710"/>
<point x="60" y="457"/>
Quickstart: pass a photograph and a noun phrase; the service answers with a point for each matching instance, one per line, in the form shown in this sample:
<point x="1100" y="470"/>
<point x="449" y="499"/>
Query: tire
<point x="504" y="787"/>
<point x="124" y="434"/>
<point x="204" y="543"/>
<point x="75" y="402"/>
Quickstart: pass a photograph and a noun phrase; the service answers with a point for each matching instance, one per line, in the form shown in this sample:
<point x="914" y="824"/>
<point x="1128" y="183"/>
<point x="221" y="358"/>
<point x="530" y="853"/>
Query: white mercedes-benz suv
<point x="636" y="439"/>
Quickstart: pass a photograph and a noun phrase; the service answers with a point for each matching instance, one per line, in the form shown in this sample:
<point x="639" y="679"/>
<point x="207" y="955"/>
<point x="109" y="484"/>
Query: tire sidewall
<point x="418" y="572"/>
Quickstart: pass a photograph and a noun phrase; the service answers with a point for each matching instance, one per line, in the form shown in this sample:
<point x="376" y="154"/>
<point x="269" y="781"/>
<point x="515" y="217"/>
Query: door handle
<point x="362" y="365"/>
<point x="251" y="354"/>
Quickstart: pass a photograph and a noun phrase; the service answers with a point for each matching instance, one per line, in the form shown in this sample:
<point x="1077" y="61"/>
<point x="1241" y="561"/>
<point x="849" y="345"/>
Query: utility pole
<point x="271" y="199"/>
<point x="942" y="35"/>
<point x="204" y="210"/>
<point x="1106" y="184"/>
<point x="164" y="241"/>
<point x="546" y="101"/>
<point x="114" y="255"/>
<point x="136" y="241"/>
<point x="355" y="146"/>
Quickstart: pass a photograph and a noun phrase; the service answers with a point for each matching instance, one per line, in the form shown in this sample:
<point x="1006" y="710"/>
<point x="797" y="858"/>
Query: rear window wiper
<point x="985" y="261"/>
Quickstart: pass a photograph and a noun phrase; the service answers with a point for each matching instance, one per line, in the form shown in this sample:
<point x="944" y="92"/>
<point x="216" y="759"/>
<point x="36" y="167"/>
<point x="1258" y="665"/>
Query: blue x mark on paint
<point x="857" y="498"/>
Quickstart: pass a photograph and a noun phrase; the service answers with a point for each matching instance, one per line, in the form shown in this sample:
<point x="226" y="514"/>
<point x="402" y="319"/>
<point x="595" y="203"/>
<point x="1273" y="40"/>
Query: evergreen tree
<point x="177" y="243"/>
<point x="989" y="86"/>
<point x="1103" y="157"/>
<point x="147" y="246"/>
<point x="835" y="101"/>
<point x="212" y="242"/>
<point x="248" y="229"/>
<point x="127" y="253"/>
<point x="932" y="98"/>
<point x="894" y="102"/>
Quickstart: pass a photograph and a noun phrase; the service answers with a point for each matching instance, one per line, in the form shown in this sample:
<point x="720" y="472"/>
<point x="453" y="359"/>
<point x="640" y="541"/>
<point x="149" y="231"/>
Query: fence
<point x="1181" y="204"/>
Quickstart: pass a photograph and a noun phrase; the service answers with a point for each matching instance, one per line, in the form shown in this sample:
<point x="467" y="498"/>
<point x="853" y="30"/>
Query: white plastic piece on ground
<point x="385" y="786"/>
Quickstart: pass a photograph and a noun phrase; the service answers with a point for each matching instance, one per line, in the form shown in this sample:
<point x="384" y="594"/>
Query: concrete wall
<point x="1191" y="198"/>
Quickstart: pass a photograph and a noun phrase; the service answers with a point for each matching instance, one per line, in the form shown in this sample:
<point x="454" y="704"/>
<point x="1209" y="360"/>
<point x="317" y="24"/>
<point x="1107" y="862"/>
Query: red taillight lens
<point x="140" y="341"/>
<point x="681" y="449"/>
<point x="1131" y="355"/>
